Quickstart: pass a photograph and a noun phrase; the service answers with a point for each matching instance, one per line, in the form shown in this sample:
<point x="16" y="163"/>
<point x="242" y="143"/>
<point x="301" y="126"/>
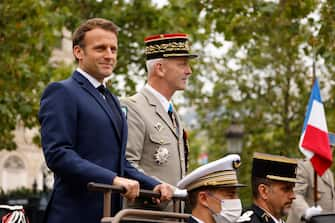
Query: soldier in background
<point x="157" y="141"/>
<point x="273" y="179"/>
<point x="213" y="191"/>
<point x="303" y="206"/>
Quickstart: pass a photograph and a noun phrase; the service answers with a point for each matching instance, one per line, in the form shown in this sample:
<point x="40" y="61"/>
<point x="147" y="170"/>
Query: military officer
<point x="212" y="191"/>
<point x="157" y="141"/>
<point x="273" y="179"/>
<point x="303" y="206"/>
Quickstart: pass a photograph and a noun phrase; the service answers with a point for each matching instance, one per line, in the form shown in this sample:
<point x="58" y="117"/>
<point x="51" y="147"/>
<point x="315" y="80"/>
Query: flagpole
<point x="314" y="78"/>
<point x="315" y="189"/>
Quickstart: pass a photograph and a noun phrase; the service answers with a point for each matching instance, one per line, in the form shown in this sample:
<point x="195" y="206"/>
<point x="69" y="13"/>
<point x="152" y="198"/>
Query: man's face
<point x="176" y="72"/>
<point x="215" y="197"/>
<point x="98" y="55"/>
<point x="280" y="198"/>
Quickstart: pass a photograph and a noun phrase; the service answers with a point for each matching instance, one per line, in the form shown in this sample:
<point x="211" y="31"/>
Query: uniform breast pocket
<point x="321" y="195"/>
<point x="161" y="144"/>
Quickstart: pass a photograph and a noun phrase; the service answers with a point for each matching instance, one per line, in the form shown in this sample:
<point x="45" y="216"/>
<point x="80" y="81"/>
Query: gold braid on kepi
<point x="217" y="174"/>
<point x="167" y="45"/>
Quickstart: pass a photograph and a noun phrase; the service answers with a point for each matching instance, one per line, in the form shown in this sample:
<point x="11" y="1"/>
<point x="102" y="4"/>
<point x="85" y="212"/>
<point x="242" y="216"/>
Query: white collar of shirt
<point x="89" y="77"/>
<point x="159" y="96"/>
<point x="197" y="219"/>
<point x="274" y="219"/>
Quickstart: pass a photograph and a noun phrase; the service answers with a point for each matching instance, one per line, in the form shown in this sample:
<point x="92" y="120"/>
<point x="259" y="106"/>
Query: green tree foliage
<point x="326" y="50"/>
<point x="28" y="32"/>
<point x="265" y="78"/>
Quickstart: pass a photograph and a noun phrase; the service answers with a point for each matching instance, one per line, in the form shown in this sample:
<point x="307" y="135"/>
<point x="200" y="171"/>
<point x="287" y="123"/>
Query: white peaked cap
<point x="219" y="173"/>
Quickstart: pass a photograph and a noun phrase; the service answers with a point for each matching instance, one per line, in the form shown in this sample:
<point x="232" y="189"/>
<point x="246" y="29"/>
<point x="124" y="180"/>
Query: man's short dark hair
<point x="193" y="195"/>
<point x="79" y="33"/>
<point x="255" y="182"/>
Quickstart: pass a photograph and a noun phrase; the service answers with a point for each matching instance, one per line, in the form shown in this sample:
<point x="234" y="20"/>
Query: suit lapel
<point x="179" y="129"/>
<point x="159" y="109"/>
<point x="118" y="108"/>
<point x="86" y="85"/>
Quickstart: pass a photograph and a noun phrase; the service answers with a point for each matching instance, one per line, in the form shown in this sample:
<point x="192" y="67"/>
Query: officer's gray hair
<point x="151" y="63"/>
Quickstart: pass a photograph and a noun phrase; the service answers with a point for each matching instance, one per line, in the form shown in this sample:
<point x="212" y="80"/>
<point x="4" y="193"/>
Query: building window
<point x="14" y="174"/>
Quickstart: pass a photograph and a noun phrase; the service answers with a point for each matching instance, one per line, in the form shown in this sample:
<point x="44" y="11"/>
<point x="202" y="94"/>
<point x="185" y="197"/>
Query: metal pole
<point x="109" y="189"/>
<point x="315" y="189"/>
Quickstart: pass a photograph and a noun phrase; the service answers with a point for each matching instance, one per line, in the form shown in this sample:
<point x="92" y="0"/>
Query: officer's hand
<point x="312" y="211"/>
<point x="166" y="192"/>
<point x="132" y="187"/>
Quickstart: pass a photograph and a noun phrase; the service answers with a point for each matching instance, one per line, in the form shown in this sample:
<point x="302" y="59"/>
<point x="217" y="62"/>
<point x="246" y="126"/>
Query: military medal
<point x="161" y="155"/>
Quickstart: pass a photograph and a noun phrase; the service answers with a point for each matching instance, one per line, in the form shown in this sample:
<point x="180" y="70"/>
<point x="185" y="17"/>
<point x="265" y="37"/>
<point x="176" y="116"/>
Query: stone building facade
<point x="25" y="167"/>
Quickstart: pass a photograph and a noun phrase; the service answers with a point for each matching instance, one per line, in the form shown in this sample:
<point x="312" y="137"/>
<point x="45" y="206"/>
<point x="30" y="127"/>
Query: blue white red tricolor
<point x="314" y="141"/>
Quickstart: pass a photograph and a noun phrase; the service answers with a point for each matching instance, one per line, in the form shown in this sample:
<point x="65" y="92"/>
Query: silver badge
<point x="158" y="126"/>
<point x="161" y="155"/>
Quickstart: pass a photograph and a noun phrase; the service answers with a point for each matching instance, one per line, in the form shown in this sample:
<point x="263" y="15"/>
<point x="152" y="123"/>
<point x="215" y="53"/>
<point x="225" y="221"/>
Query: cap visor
<point x="285" y="179"/>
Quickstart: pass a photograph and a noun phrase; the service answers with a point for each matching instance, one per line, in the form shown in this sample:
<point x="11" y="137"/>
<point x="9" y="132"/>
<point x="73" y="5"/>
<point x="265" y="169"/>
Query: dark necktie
<point x="113" y="107"/>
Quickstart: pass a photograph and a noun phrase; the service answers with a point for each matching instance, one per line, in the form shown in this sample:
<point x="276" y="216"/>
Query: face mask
<point x="231" y="210"/>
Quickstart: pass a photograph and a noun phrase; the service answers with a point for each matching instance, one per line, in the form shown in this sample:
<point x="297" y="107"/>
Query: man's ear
<point x="203" y="198"/>
<point x="78" y="52"/>
<point x="159" y="69"/>
<point x="263" y="191"/>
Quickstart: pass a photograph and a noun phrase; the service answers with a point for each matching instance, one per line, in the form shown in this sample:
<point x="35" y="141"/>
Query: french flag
<point x="314" y="141"/>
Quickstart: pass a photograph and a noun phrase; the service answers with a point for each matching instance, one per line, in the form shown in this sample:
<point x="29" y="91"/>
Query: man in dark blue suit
<point x="84" y="132"/>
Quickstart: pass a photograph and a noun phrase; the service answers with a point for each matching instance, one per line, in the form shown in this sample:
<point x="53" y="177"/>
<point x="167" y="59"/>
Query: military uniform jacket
<point x="255" y="215"/>
<point x="304" y="192"/>
<point x="155" y="145"/>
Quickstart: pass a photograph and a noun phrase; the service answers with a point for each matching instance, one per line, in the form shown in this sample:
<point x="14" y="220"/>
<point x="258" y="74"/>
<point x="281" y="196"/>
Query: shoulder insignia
<point x="124" y="110"/>
<point x="266" y="217"/>
<point x="245" y="217"/>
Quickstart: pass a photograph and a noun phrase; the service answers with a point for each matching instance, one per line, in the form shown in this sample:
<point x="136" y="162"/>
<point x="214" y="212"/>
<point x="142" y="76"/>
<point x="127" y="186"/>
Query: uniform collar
<point x="273" y="218"/>
<point x="261" y="213"/>
<point x="165" y="103"/>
